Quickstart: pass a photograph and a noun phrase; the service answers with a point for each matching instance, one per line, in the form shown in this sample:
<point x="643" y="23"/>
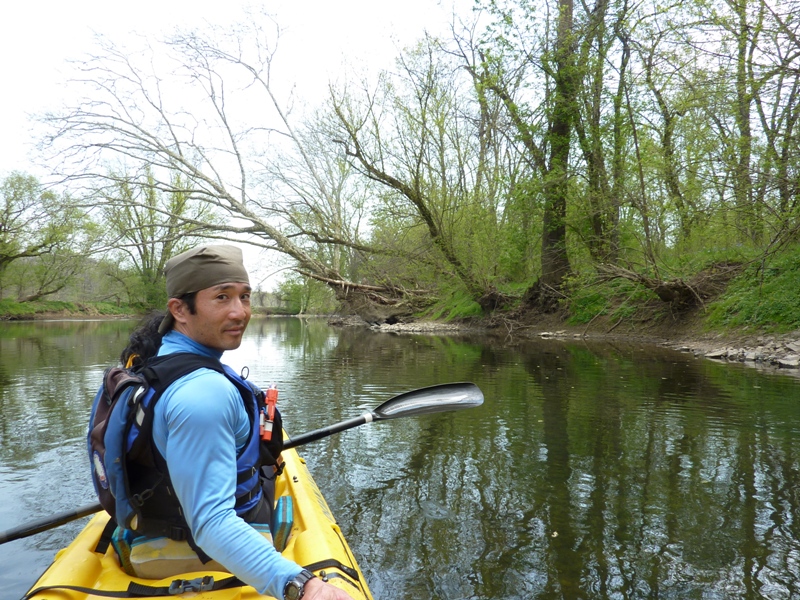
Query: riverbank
<point x="686" y="334"/>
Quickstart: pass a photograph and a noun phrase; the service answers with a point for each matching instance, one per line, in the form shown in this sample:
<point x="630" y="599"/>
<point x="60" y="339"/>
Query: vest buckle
<point x="201" y="584"/>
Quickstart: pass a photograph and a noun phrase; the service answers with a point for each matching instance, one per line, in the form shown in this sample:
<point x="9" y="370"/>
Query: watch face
<point x="292" y="591"/>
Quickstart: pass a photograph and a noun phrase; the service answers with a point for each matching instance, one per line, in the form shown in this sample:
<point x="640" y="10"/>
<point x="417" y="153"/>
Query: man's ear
<point x="178" y="309"/>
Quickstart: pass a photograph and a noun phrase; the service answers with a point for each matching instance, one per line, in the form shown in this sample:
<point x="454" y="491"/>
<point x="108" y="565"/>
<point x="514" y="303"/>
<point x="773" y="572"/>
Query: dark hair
<point x="191" y="301"/>
<point x="144" y="341"/>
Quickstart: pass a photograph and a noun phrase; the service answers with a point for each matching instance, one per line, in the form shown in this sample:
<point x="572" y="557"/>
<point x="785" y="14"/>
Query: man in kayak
<point x="201" y="425"/>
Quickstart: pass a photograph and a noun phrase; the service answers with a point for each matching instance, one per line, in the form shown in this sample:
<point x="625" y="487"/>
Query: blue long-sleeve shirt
<point x="200" y="424"/>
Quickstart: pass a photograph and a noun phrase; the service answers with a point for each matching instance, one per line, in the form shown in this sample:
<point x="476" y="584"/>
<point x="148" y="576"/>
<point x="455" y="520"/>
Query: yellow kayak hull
<point x="315" y="539"/>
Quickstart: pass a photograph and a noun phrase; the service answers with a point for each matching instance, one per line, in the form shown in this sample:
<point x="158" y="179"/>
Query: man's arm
<point x="203" y="415"/>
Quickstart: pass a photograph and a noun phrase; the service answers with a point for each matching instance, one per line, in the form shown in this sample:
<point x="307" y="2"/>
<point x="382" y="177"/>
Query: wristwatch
<point x="295" y="588"/>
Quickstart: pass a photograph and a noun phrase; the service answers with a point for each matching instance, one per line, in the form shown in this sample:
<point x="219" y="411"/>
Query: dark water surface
<point x="591" y="471"/>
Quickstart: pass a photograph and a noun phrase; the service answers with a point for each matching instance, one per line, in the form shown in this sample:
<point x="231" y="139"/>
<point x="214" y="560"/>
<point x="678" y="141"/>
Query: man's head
<point x="209" y="296"/>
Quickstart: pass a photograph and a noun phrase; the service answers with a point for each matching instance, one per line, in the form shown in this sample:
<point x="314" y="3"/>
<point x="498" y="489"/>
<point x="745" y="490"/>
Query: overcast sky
<point x="37" y="37"/>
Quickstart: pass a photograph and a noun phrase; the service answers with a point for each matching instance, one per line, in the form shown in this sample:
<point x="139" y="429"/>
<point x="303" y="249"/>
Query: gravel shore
<point x="768" y="351"/>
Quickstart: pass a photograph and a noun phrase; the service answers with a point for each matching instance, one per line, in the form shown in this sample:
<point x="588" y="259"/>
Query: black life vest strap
<point x="106" y="536"/>
<point x="246" y="497"/>
<point x="204" y="558"/>
<point x="246" y="475"/>
<point x="138" y="590"/>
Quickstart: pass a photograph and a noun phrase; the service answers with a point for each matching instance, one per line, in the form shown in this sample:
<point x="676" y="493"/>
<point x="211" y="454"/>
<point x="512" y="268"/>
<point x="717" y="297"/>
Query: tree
<point x="606" y="138"/>
<point x="546" y="142"/>
<point x="425" y="141"/>
<point x="147" y="226"/>
<point x="561" y="117"/>
<point x="601" y="130"/>
<point x="213" y="151"/>
<point x="304" y="296"/>
<point x="43" y="238"/>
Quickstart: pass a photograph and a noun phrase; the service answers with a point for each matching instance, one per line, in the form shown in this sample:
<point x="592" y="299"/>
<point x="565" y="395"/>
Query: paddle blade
<point x="433" y="399"/>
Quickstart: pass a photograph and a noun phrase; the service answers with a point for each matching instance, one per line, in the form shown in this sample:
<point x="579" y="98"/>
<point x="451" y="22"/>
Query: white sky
<point x="37" y="37"/>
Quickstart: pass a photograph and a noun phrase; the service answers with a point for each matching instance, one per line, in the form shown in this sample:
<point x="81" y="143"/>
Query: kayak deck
<point x="315" y="542"/>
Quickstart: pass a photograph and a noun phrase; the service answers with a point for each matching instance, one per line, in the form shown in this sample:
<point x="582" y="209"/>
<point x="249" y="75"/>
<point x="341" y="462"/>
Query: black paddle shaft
<point x="48" y="523"/>
<point x="318" y="434"/>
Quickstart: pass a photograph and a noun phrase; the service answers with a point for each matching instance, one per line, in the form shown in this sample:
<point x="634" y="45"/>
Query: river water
<point x="604" y="470"/>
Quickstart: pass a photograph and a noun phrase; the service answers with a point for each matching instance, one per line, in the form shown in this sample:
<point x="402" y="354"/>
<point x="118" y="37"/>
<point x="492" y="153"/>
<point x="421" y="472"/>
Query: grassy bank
<point x="760" y="296"/>
<point x="763" y="298"/>
<point x="11" y="310"/>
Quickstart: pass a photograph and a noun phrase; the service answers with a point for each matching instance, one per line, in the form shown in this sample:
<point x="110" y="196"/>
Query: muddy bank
<point x="767" y="351"/>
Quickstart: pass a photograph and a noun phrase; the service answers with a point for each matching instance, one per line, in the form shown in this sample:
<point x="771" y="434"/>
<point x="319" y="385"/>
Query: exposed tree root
<point x="494" y="300"/>
<point x="542" y="298"/>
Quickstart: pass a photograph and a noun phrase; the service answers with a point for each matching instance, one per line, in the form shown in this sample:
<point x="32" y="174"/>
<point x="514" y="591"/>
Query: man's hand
<point x="316" y="589"/>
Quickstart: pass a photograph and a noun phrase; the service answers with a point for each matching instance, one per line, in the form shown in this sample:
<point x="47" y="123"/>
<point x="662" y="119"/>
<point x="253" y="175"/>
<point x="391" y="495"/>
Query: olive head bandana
<point x="201" y="268"/>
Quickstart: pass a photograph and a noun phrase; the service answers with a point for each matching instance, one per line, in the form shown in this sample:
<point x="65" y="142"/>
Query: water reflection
<point x="591" y="471"/>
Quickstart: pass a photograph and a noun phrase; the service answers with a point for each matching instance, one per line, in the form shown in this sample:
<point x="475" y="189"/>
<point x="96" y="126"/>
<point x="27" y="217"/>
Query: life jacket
<point x="130" y="475"/>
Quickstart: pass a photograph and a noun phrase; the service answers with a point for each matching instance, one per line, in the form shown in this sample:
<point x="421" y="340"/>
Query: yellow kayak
<point x="314" y="541"/>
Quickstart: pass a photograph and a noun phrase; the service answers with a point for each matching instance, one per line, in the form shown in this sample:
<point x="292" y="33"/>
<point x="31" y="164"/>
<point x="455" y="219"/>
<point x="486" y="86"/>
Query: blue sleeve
<point x="196" y="427"/>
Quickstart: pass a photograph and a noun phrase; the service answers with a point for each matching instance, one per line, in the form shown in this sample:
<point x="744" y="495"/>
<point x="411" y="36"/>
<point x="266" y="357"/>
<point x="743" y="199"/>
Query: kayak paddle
<point x="424" y="401"/>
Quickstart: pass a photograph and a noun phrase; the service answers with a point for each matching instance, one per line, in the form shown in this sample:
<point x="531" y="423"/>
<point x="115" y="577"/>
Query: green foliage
<point x="108" y="308"/>
<point x="44" y="238"/>
<point x="455" y="305"/>
<point x="517" y="250"/>
<point x="585" y="307"/>
<point x="695" y="258"/>
<point x="626" y="310"/>
<point x="618" y="299"/>
<point x="304" y="296"/>
<point x="763" y="298"/>
<point x="147" y="226"/>
<point x="399" y="238"/>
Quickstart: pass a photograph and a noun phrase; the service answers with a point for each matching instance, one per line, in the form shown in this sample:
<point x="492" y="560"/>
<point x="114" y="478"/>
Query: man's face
<point x="222" y="313"/>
